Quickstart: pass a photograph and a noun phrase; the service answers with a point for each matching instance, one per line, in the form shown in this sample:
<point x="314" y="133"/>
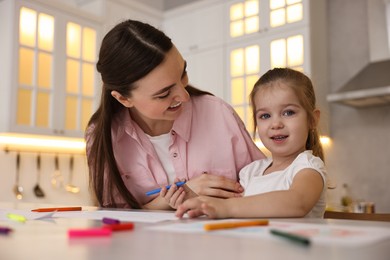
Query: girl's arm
<point x="303" y="194"/>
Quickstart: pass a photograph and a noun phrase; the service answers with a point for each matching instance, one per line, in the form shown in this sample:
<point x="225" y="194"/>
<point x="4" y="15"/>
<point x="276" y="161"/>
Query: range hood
<point x="370" y="87"/>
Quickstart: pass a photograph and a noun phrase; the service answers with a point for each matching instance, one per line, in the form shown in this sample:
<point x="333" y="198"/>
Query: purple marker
<point x="5" y="230"/>
<point x="110" y="221"/>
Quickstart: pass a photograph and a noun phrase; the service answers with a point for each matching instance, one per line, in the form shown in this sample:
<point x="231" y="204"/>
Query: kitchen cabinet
<point x="217" y="37"/>
<point x="52" y="84"/>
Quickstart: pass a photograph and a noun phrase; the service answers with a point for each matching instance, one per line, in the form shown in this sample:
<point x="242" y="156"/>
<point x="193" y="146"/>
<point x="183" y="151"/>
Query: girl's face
<point x="158" y="97"/>
<point x="281" y="120"/>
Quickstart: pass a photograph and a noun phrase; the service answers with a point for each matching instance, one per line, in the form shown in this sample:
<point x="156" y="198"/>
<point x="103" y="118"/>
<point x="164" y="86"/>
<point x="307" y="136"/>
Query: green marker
<point x="292" y="237"/>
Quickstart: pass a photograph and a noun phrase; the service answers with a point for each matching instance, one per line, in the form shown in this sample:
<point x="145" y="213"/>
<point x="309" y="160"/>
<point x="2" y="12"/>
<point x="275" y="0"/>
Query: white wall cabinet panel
<point x="206" y="70"/>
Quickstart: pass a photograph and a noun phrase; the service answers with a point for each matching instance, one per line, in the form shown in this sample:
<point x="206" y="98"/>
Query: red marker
<point x="120" y="227"/>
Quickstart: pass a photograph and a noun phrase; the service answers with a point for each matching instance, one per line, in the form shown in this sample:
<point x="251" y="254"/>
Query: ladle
<point x="70" y="187"/>
<point x="18" y="190"/>
<point x="57" y="180"/>
<point x="37" y="188"/>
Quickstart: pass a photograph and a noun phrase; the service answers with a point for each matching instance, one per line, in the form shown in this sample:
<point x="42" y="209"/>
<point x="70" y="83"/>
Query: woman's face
<point x="158" y="97"/>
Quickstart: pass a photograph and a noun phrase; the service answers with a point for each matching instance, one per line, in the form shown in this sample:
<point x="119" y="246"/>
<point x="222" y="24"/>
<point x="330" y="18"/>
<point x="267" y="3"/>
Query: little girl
<point x="292" y="183"/>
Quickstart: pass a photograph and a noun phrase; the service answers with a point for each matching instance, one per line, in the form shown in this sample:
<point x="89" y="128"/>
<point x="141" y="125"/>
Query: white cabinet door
<point x="206" y="70"/>
<point x="196" y="29"/>
<point x="54" y="80"/>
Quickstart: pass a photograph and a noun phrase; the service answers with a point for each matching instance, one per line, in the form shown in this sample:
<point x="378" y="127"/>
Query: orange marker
<point x="235" y="224"/>
<point x="57" y="209"/>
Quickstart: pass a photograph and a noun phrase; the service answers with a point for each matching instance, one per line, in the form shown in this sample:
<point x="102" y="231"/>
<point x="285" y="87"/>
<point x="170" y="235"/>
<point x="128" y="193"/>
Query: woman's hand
<point x="215" y="186"/>
<point x="203" y="205"/>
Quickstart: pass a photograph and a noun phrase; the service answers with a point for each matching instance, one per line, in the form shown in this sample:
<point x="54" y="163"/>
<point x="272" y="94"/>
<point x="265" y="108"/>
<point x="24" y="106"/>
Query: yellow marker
<point x="16" y="217"/>
<point x="235" y="224"/>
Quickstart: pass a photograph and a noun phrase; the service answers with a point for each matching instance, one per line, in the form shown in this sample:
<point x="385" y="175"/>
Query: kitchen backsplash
<point x="67" y="186"/>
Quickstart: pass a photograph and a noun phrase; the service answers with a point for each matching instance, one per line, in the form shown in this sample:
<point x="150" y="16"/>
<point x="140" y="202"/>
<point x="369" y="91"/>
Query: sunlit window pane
<point x="236" y="28"/>
<point x="250" y="82"/>
<point x="43" y="108"/>
<point x="71" y="113"/>
<point x="44" y="70"/>
<point x="27" y="26"/>
<point x="23" y="113"/>
<point x="73" y="40"/>
<point x="278" y="53"/>
<point x="278" y="17"/>
<point x="252" y="59"/>
<point x="89" y="44"/>
<point x="294" y="13"/>
<point x="45" y="32"/>
<point x="238" y="91"/>
<point x="72" y="76"/>
<point x="236" y="11"/>
<point x="274" y="4"/>
<point x="251" y="7"/>
<point x="249" y="119"/>
<point x="240" y="110"/>
<point x="252" y="25"/>
<point x="88" y="80"/>
<point x="290" y="2"/>
<point x="295" y="50"/>
<point x="26" y="66"/>
<point x="86" y="112"/>
<point x="237" y="62"/>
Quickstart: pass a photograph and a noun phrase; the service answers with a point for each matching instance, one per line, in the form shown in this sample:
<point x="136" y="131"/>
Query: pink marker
<point x="90" y="232"/>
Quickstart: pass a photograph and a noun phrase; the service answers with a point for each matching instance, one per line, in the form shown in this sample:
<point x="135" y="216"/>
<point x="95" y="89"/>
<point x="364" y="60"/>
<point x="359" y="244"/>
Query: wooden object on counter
<point x="357" y="216"/>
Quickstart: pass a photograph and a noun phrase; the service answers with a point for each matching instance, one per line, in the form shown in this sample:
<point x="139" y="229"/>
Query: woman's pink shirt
<point x="208" y="136"/>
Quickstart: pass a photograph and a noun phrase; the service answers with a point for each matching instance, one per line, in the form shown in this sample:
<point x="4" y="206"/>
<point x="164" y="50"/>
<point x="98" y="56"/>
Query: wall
<point x="360" y="152"/>
<point x="107" y="13"/>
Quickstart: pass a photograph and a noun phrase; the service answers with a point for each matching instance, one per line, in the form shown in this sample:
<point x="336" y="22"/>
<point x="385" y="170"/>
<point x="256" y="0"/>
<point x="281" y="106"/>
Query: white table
<point x="48" y="240"/>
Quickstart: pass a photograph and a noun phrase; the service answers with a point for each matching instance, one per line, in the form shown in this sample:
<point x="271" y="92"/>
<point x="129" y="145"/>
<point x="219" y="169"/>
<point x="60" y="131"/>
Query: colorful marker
<point x="235" y="224"/>
<point x="58" y="209"/>
<point x="90" y="232"/>
<point x="120" y="227"/>
<point x="5" y="230"/>
<point x="16" y="217"/>
<point x="178" y="184"/>
<point x="291" y="236"/>
<point x="110" y="221"/>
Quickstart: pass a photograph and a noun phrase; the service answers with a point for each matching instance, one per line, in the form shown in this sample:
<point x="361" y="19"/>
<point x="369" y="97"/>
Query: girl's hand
<point x="215" y="186"/>
<point x="174" y="196"/>
<point x="202" y="205"/>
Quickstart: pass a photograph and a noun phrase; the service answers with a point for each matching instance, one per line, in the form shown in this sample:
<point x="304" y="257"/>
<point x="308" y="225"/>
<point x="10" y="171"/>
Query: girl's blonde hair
<point x="303" y="89"/>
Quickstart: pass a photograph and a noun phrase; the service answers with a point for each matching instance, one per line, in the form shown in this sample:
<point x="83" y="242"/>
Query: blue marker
<point x="178" y="184"/>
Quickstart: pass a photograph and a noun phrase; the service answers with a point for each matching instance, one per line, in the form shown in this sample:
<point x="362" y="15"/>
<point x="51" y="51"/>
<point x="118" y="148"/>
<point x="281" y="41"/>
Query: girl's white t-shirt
<point x="254" y="182"/>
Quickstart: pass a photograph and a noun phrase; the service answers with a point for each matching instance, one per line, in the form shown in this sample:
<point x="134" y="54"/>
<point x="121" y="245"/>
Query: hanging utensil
<point x="18" y="190"/>
<point x="37" y="188"/>
<point x="57" y="180"/>
<point x="70" y="187"/>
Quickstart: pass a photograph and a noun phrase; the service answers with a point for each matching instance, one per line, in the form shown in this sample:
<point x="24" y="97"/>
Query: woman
<point x="152" y="129"/>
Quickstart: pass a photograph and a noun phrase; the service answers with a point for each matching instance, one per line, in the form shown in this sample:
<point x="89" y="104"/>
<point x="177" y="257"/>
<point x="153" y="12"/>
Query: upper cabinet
<point x="230" y="44"/>
<point x="54" y="79"/>
<point x="199" y="27"/>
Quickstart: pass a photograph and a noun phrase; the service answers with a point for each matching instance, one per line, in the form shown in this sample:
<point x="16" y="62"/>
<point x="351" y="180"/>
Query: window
<point x="244" y="18"/>
<point x="244" y="72"/>
<point x="56" y="72"/>
<point x="35" y="88"/>
<point x="287" y="52"/>
<point x="285" y="11"/>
